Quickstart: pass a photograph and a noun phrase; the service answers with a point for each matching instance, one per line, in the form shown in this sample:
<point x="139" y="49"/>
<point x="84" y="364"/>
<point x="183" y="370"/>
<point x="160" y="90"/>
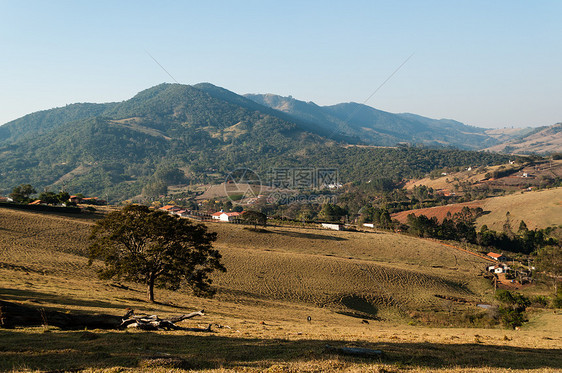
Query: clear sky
<point x="484" y="63"/>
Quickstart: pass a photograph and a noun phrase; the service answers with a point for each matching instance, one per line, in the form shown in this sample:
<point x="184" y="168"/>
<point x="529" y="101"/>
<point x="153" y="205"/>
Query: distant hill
<point x="541" y="140"/>
<point x="367" y="125"/>
<point x="175" y="134"/>
<point x="539" y="209"/>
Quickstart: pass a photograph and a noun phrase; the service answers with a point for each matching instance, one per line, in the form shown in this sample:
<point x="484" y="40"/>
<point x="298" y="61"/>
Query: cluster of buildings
<point x="500" y="267"/>
<point x="229" y="217"/>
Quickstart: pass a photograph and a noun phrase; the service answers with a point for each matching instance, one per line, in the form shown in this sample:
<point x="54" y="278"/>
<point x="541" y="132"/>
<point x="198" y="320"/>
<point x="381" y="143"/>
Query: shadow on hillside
<point x="311" y="236"/>
<point x="86" y="350"/>
<point x="40" y="297"/>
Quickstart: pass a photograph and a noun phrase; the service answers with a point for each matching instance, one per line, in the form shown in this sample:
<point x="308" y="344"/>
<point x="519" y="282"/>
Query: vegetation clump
<point x="156" y="249"/>
<point x="512" y="311"/>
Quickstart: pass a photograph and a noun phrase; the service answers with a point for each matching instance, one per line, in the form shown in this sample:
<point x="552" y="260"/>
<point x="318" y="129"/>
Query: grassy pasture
<point x="539" y="209"/>
<point x="274" y="282"/>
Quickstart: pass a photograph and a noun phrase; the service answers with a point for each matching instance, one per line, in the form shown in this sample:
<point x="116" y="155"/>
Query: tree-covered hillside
<point x="367" y="125"/>
<point x="173" y="133"/>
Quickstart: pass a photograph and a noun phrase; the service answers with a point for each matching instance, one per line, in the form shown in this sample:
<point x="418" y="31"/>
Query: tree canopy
<point x="22" y="192"/>
<point x="255" y="218"/>
<point x="156" y="249"/>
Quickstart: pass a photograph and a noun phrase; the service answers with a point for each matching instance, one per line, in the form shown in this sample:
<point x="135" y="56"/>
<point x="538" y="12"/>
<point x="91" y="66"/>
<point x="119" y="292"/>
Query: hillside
<point x="509" y="177"/>
<point x="338" y="279"/>
<point x="375" y="127"/>
<point x="384" y="270"/>
<point x="542" y="140"/>
<point x="174" y="134"/>
<point x="539" y="209"/>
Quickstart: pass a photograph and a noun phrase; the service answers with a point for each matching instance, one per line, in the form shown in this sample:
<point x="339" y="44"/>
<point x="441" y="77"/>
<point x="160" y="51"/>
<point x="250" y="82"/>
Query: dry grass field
<point x="275" y="280"/>
<point x="539" y="209"/>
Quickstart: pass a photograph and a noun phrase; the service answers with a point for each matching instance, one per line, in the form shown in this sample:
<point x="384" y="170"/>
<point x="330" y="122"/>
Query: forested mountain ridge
<point x="376" y="127"/>
<point x="175" y="134"/>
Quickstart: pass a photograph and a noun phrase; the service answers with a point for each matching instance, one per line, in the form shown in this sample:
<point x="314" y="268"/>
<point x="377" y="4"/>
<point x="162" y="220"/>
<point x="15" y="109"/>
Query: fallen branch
<point x="153" y="322"/>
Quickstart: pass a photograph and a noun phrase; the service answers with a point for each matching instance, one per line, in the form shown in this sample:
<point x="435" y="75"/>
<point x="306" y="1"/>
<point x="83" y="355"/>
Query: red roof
<point x="232" y="213"/>
<point x="494" y="255"/>
<point x="167" y="207"/>
<point x="219" y="213"/>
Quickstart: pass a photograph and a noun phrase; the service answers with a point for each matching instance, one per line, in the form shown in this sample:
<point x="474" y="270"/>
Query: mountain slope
<point x="125" y="143"/>
<point x="174" y="134"/>
<point x="541" y="140"/>
<point x="375" y="127"/>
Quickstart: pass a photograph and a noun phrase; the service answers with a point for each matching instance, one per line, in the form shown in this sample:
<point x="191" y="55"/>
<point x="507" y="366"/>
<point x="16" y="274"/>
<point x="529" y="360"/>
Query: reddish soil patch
<point x="440" y="212"/>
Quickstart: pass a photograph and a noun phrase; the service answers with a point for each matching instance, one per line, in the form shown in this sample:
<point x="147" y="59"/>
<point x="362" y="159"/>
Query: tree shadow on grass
<point x="311" y="236"/>
<point x="69" y="350"/>
<point x="19" y="295"/>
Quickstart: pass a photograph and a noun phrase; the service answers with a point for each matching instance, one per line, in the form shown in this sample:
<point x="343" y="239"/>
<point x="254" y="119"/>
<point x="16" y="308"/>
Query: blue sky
<point x="485" y="63"/>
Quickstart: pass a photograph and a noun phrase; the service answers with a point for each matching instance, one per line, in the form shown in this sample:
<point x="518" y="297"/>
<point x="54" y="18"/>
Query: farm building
<point x="336" y="227"/>
<point x="498" y="257"/>
<point x="229" y="216"/>
<point x="369" y="225"/>
<point x="498" y="269"/>
<point x="217" y="215"/>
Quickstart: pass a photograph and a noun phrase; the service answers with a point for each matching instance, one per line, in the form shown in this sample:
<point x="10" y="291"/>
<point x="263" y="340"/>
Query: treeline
<point x="525" y="241"/>
<point x="458" y="227"/>
<point x="461" y="227"/>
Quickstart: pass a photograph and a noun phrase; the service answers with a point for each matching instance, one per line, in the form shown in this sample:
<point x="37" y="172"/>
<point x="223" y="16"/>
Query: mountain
<point x="370" y="126"/>
<point x="541" y="140"/>
<point x="174" y="134"/>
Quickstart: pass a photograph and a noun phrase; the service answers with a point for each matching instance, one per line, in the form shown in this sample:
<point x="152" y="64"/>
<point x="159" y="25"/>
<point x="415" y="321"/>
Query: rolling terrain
<point x="275" y="280"/>
<point x="541" y="140"/>
<point x="366" y="125"/>
<point x="174" y="134"/>
<point x="539" y="209"/>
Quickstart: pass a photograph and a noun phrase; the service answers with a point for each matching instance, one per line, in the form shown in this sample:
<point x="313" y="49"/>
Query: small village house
<point x="229" y="216"/>
<point x="498" y="257"/>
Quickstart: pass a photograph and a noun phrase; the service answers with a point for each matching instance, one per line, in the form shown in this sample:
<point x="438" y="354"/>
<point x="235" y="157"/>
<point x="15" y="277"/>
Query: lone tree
<point x="255" y="218"/>
<point x="155" y="248"/>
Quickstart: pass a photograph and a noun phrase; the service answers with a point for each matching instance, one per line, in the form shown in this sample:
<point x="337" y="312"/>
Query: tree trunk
<point x="150" y="289"/>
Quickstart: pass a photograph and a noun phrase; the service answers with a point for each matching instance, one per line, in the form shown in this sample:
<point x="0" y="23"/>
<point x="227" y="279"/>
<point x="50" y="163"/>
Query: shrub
<point x="511" y="317"/>
<point x="539" y="301"/>
<point x="512" y="313"/>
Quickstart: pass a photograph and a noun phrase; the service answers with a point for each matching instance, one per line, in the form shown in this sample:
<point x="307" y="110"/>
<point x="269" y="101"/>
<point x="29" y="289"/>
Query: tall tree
<point x="156" y="249"/>
<point x="22" y="192"/>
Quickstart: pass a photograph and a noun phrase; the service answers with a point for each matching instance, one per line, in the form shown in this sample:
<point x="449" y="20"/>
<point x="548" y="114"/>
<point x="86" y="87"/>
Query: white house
<point x="498" y="269"/>
<point x="369" y="225"/>
<point x="229" y="216"/>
